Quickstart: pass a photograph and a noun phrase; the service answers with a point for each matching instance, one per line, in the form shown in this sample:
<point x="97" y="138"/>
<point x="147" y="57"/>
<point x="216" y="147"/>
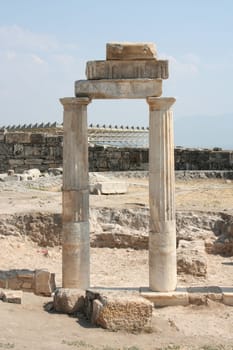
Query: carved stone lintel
<point x="132" y="69"/>
<point x="118" y="88"/>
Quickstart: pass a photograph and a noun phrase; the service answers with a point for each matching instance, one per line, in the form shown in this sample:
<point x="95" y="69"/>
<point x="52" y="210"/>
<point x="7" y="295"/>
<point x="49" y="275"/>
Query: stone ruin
<point x="130" y="71"/>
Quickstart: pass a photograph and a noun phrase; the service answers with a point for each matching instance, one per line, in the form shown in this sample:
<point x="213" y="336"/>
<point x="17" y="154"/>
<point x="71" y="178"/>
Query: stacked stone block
<point x="40" y="282"/>
<point x="20" y="152"/>
<point x="24" y="150"/>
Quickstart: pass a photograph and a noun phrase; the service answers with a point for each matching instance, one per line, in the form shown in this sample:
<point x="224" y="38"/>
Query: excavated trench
<point x="125" y="228"/>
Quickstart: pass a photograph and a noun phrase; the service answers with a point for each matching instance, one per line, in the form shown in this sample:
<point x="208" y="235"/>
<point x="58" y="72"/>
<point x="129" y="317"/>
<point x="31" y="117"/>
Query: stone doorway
<point x="131" y="71"/>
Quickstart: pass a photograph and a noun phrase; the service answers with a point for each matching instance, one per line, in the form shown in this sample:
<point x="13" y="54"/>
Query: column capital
<point x="160" y="103"/>
<point x="72" y="102"/>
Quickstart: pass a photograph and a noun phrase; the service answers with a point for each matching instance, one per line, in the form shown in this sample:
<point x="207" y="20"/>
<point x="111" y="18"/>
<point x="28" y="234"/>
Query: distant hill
<point x="204" y="131"/>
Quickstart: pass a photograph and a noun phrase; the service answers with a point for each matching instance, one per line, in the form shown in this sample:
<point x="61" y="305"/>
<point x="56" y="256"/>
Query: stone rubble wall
<point x="39" y="282"/>
<point x="21" y="151"/>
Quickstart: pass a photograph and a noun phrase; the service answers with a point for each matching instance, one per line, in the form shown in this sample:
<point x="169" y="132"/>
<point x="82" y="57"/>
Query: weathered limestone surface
<point x="18" y="137"/>
<point x="44" y="282"/>
<point x="191" y="258"/>
<point x="162" y="238"/>
<point x="228" y="296"/>
<point x="118" y="88"/>
<point x="76" y="246"/>
<point x="191" y="295"/>
<point x="129" y="51"/>
<point x="144" y="69"/>
<point x="10" y="296"/>
<point x="119" y="311"/>
<point x="68" y="300"/>
<point x="109" y="188"/>
<point x="201" y="295"/>
<point x="40" y="282"/>
<point x="175" y="298"/>
<point x="75" y="241"/>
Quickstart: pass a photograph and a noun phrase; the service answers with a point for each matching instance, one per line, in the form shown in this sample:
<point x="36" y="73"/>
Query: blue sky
<point x="44" y="46"/>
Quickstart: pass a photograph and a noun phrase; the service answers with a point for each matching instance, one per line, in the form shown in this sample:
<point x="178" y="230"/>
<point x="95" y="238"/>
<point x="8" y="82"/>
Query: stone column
<point x="162" y="237"/>
<point x="75" y="195"/>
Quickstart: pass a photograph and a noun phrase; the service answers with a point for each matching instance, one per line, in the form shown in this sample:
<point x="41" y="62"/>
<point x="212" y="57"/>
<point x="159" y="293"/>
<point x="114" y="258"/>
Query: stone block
<point x="14" y="283"/>
<point x="18" y="137"/>
<point x="27" y="280"/>
<point x="34" y="173"/>
<point x="191" y="258"/>
<point x="175" y="298"/>
<point x="120" y="311"/>
<point x="15" y="177"/>
<point x="38" y="138"/>
<point x="130" y="51"/>
<point x="55" y="171"/>
<point x="200" y="295"/>
<point x="68" y="300"/>
<point x="16" y="162"/>
<point x="11" y="296"/>
<point x="119" y="88"/>
<point x="198" y="299"/>
<point x="109" y="188"/>
<point x="227" y="293"/>
<point x="151" y="69"/>
<point x="3" y="282"/>
<point x="33" y="162"/>
<point x="44" y="282"/>
<point x="2" y="137"/>
<point x="17" y="280"/>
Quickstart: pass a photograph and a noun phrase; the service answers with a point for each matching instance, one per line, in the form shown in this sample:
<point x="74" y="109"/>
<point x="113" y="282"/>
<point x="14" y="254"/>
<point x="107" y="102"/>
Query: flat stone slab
<point x="200" y="295"/>
<point x="119" y="88"/>
<point x="140" y="69"/>
<point x="129" y="51"/>
<point x="193" y="295"/>
<point x="175" y="298"/>
<point x="11" y="296"/>
<point x="109" y="188"/>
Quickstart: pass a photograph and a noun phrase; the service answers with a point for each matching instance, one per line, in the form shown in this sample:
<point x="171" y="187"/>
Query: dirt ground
<point x="29" y="326"/>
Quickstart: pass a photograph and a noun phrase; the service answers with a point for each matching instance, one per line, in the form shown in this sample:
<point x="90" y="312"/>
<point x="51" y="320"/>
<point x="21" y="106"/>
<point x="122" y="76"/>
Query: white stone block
<point x="11" y="296"/>
<point x="109" y="188"/>
<point x="119" y="88"/>
<point x="176" y="298"/>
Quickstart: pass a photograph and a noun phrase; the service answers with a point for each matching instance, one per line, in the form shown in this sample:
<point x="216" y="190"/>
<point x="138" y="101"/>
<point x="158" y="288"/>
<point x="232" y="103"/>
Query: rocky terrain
<point x="30" y="233"/>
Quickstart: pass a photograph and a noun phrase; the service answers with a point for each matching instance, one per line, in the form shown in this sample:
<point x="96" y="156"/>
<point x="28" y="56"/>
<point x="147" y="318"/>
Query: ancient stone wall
<point x="26" y="150"/>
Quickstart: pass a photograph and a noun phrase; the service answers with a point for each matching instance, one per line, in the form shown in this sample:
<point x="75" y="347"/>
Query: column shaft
<point x="162" y="236"/>
<point x="75" y="195"/>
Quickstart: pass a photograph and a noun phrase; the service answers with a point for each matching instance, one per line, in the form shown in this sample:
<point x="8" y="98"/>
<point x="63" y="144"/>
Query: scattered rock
<point x="120" y="311"/>
<point x="191" y="258"/>
<point x="34" y="173"/>
<point x="68" y="300"/>
<point x="11" y="296"/>
<point x="203" y="295"/>
<point x="55" y="171"/>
